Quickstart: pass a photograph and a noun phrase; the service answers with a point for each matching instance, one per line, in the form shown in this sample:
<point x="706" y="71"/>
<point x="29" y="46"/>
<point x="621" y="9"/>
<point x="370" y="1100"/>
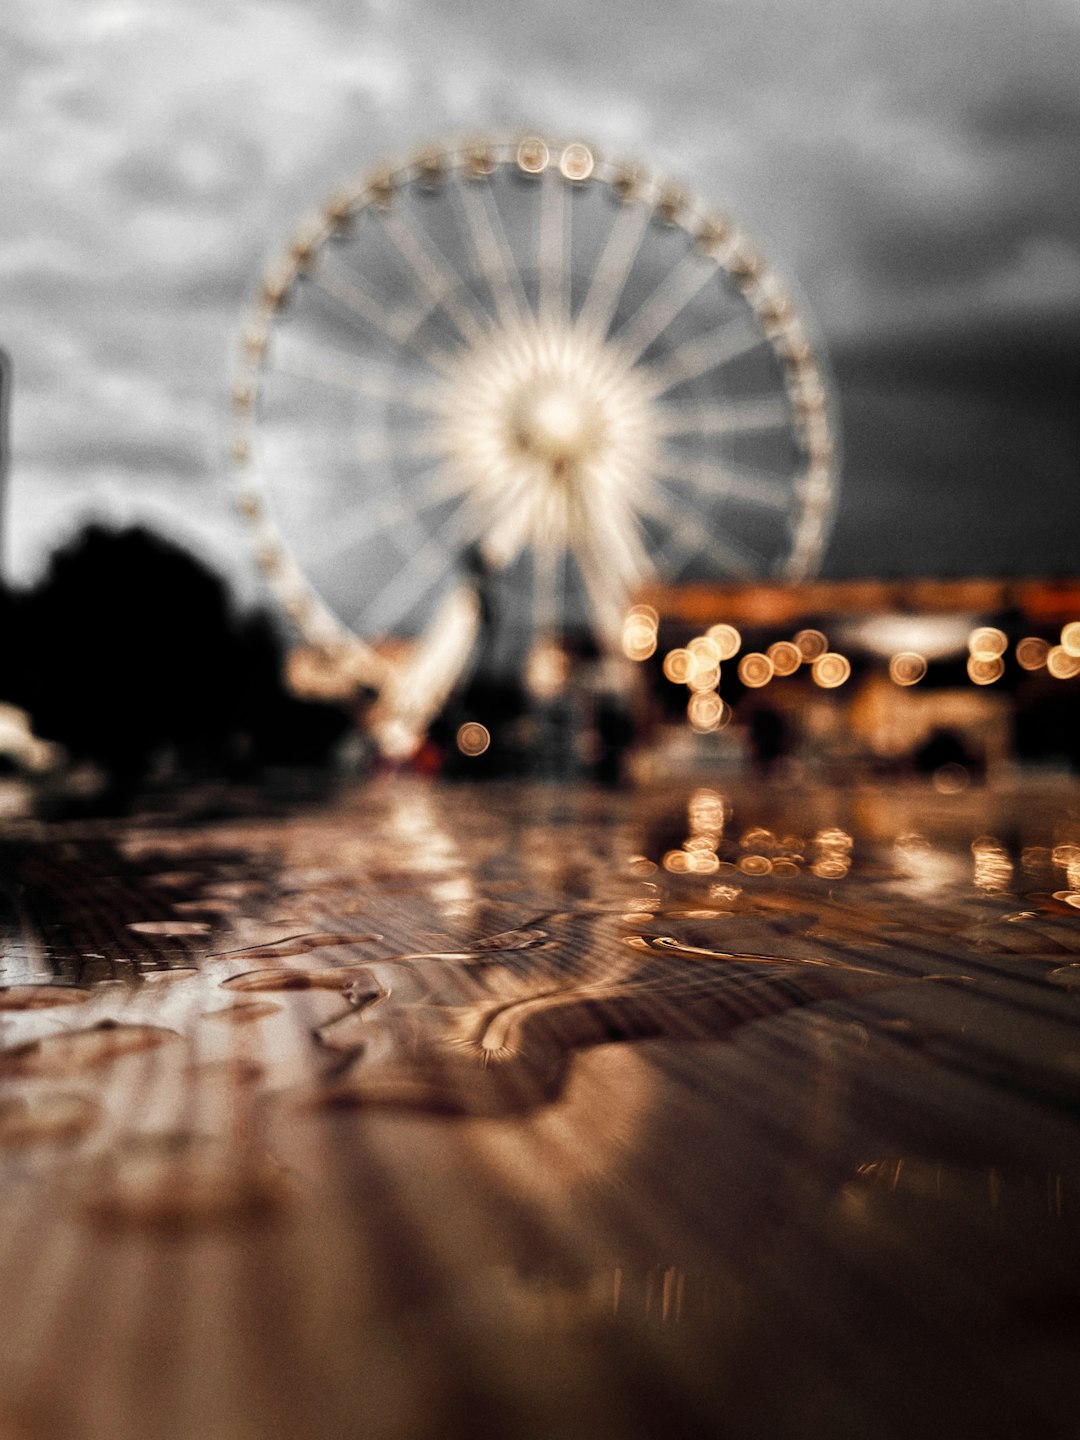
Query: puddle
<point x="40" y="997"/>
<point x="204" y="907"/>
<point x="523" y="939"/>
<point x="44" y="1119"/>
<point x="71" y="1052"/>
<point x="669" y="945"/>
<point x="291" y="945"/>
<point x="243" y="1014"/>
<point x="235" y="1070"/>
<point x="338" y="980"/>
<point x="175" y="879"/>
<point x="506" y="1057"/>
<point x="177" y="1182"/>
<point x="170" y="928"/>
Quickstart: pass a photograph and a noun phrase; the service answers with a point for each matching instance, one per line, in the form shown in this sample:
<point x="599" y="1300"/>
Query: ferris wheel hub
<point x="556" y="423"/>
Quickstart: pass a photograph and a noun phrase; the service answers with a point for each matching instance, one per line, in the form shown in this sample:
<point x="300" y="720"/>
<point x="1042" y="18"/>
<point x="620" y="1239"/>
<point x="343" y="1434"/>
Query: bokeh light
<point x="727" y="640"/>
<point x="811" y="644"/>
<point x="985" y="669"/>
<point x="786" y="657"/>
<point x="678" y="666"/>
<point x="1031" y="652"/>
<point x="707" y="712"/>
<point x="986" y="642"/>
<point x="831" y="669"/>
<point x="1061" y="664"/>
<point x="907" y="668"/>
<point x="755" y="670"/>
<point x="639" y="632"/>
<point x="473" y="738"/>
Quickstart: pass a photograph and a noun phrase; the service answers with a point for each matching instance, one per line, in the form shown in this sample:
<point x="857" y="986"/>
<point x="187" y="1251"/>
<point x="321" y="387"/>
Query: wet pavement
<point x="535" y="1111"/>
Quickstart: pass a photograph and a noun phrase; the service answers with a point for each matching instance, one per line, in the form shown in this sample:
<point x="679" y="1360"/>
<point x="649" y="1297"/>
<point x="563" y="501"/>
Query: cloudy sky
<point x="912" y="166"/>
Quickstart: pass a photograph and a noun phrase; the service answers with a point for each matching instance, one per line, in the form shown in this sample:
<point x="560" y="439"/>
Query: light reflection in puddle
<point x="48" y="1118"/>
<point x="292" y="945"/>
<point x="170" y="928"/>
<point x="175" y="1182"/>
<point x="70" y="1052"/>
<point x="41" y="997"/>
<point x="515" y="971"/>
<point x="244" y="1013"/>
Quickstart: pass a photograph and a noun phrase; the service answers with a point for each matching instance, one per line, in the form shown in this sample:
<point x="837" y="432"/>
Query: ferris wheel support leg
<point x="416" y="692"/>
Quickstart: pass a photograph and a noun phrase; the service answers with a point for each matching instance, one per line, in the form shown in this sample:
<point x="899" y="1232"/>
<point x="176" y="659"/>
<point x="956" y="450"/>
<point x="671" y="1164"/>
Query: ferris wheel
<point x="511" y="377"/>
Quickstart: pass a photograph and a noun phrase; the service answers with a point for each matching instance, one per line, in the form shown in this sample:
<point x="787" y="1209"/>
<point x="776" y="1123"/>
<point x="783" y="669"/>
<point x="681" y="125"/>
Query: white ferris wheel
<point x="515" y="368"/>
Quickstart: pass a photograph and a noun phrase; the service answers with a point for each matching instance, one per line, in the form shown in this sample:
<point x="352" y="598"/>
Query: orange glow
<point x="987" y="643"/>
<point x="638" y="641"/>
<point x="755" y="670"/>
<point x="705" y="651"/>
<point x="678" y="666"/>
<point x="645" y="615"/>
<point x="831" y="670"/>
<point x="707" y="678"/>
<point x="993" y="868"/>
<point x="835" y="867"/>
<point x="1070" y="638"/>
<point x="985" y="669"/>
<point x="677" y="862"/>
<point x="727" y="640"/>
<point x="811" y="644"/>
<point x="786" y="657"/>
<point x="707" y="712"/>
<point x="706" y="657"/>
<point x="1061" y="664"/>
<point x="473" y="738"/>
<point x="907" y="668"/>
<point x="706" y="813"/>
<point x="1031" y="652"/>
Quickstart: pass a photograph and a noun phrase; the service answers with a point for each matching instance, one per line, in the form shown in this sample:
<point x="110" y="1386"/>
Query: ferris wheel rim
<point x="476" y="158"/>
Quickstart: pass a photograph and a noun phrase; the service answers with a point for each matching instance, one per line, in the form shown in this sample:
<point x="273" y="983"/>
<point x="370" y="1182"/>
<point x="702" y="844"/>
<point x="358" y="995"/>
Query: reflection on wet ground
<point x="585" y="1114"/>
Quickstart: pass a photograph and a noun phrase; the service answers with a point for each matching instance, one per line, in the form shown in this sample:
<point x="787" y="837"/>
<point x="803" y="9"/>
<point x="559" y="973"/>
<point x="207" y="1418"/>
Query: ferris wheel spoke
<point x="420" y="575"/>
<point x="425" y="567"/>
<point x="397" y="326"/>
<point x="553" y="299"/>
<point x="711" y="351"/>
<point x="366" y="526"/>
<point x="493" y="254"/>
<point x="687" y="538"/>
<point x="437" y="277"/>
<point x="362" y="520"/>
<point x="608" y="282"/>
<point x="735" y="417"/>
<point x="665" y="304"/>
<point x="605" y="597"/>
<point x="611" y="522"/>
<point x="376" y="449"/>
<point x="336" y="372"/>
<point x="739" y="483"/>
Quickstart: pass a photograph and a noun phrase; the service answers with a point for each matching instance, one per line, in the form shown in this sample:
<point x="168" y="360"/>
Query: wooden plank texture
<point x="542" y="1112"/>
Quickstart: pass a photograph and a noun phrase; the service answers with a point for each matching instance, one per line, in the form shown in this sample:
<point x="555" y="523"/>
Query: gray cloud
<point x="910" y="166"/>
